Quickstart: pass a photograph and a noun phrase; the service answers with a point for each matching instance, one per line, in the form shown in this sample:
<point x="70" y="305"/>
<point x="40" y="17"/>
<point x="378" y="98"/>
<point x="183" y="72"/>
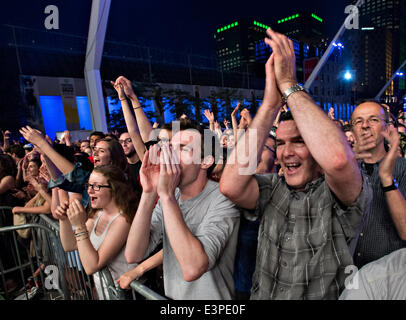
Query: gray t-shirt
<point x="383" y="279"/>
<point x="214" y="220"/>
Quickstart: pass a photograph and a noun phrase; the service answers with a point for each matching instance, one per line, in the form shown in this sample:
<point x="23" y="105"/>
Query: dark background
<point x="185" y="26"/>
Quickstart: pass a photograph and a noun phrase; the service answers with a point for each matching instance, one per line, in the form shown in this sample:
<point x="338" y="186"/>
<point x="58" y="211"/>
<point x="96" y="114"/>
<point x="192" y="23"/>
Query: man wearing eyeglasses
<point x="384" y="230"/>
<point x="134" y="162"/>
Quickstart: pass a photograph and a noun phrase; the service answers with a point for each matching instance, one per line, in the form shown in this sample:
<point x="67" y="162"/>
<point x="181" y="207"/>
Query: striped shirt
<point x="379" y="236"/>
<point x="303" y="239"/>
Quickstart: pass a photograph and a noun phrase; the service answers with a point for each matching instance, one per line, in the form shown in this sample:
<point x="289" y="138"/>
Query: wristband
<point x="393" y="186"/>
<point x="137" y="107"/>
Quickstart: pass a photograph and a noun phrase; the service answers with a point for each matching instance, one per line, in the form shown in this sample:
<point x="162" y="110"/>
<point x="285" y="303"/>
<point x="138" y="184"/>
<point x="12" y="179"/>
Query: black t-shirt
<point x="134" y="171"/>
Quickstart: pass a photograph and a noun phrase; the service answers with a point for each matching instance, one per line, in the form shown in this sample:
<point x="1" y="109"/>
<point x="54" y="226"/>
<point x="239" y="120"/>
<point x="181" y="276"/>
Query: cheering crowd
<point x="276" y="207"/>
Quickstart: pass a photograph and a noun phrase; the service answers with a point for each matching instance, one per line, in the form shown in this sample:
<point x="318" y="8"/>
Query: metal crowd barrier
<point x="60" y="274"/>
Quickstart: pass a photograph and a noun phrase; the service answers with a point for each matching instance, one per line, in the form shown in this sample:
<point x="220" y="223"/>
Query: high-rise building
<point x="305" y="27"/>
<point x="378" y="48"/>
<point x="240" y="47"/>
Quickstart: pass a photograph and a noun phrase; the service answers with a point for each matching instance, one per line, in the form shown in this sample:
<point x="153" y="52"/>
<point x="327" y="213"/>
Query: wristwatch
<point x="393" y="186"/>
<point x="291" y="90"/>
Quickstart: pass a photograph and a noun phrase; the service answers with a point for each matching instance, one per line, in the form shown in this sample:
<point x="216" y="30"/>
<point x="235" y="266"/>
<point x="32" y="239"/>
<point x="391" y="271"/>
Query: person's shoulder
<point x="120" y="221"/>
<point x="212" y="194"/>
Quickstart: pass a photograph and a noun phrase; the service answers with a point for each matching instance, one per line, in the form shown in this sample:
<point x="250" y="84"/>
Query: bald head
<point x="367" y="109"/>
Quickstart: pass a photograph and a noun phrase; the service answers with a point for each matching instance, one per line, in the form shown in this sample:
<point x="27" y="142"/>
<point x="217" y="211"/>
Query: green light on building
<point x="218" y="30"/>
<point x="236" y="23"/>
<point x="279" y="21"/>
<point x="317" y="17"/>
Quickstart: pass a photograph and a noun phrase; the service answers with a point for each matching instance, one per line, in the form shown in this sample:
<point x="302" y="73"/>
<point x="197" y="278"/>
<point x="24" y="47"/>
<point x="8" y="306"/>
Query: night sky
<point x="184" y="26"/>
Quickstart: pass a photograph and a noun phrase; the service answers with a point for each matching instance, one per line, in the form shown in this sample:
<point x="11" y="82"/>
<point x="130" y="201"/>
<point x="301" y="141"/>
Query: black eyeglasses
<point x="125" y="141"/>
<point x="96" y="187"/>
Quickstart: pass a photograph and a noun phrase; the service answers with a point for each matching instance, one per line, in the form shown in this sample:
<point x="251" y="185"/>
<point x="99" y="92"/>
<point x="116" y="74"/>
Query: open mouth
<point x="93" y="200"/>
<point x="293" y="167"/>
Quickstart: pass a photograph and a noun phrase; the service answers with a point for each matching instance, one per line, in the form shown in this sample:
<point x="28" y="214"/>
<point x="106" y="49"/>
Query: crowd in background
<point x="190" y="222"/>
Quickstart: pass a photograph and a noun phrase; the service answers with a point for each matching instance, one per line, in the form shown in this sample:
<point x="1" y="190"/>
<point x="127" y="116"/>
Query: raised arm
<point x="6" y="139"/>
<point x="32" y="135"/>
<point x="234" y="122"/>
<point x="325" y="141"/>
<point x="130" y="121"/>
<point x="236" y="183"/>
<point x="146" y="131"/>
<point x="138" y="237"/>
<point x="189" y="251"/>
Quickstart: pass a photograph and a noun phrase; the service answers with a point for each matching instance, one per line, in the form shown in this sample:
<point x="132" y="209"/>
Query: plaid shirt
<point x="303" y="240"/>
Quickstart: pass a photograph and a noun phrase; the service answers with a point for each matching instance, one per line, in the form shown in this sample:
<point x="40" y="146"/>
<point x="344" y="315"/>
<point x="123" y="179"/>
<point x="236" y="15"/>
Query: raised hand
<point x="32" y="135"/>
<point x="361" y="146"/>
<point x="387" y="165"/>
<point x="169" y="176"/>
<point x="234" y="112"/>
<point x="331" y="113"/>
<point x="149" y="172"/>
<point x="76" y="214"/>
<point x="6" y="134"/>
<point x="127" y="86"/>
<point x="209" y="115"/>
<point x="272" y="95"/>
<point x="246" y="115"/>
<point x="284" y="59"/>
<point x="120" y="89"/>
<point x="60" y="211"/>
<point x="226" y="122"/>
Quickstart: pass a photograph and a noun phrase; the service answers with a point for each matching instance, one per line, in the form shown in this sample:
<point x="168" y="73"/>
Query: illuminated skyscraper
<point x="378" y="47"/>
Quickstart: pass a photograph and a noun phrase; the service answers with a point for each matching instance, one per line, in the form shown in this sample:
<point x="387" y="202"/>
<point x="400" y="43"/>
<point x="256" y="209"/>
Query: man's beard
<point x="130" y="154"/>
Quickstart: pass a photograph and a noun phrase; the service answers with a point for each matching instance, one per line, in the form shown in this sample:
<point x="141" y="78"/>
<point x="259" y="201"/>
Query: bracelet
<point x="77" y="235"/>
<point x="122" y="99"/>
<point x="82" y="238"/>
<point x="137" y="107"/>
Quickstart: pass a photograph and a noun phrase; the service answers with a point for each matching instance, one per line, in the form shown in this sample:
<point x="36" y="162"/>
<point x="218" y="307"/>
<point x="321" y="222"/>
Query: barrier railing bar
<point x="145" y="291"/>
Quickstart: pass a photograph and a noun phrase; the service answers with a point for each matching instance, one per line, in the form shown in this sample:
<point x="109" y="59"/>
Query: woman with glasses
<point x="101" y="233"/>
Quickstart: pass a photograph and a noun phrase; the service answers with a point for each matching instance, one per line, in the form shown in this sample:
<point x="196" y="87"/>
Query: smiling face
<point x="101" y="154"/>
<point x="299" y="167"/>
<point x="368" y="123"/>
<point x="84" y="145"/>
<point x="33" y="169"/>
<point x="99" y="199"/>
